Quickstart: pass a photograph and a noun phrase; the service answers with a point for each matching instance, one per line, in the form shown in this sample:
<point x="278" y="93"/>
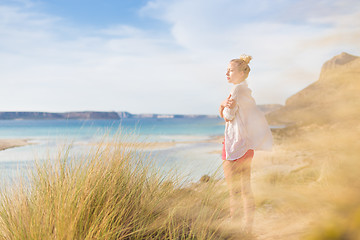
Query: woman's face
<point x="233" y="75"/>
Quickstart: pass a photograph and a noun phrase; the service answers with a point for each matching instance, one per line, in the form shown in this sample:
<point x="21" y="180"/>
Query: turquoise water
<point x="192" y="159"/>
<point x="89" y="128"/>
<point x="192" y="156"/>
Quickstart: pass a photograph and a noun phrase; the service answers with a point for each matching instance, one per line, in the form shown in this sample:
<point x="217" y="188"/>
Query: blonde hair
<point x="242" y="64"/>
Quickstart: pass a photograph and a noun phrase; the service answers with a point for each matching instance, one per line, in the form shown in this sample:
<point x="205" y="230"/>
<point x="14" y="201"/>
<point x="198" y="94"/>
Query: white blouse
<point x="247" y="128"/>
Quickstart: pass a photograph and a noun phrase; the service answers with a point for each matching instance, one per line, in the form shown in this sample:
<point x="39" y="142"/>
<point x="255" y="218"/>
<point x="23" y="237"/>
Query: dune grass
<point x="112" y="192"/>
<point x="115" y="191"/>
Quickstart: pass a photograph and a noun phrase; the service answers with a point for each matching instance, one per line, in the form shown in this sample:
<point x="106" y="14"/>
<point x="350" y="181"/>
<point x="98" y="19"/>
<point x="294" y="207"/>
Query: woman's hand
<point x="222" y="106"/>
<point x="225" y="102"/>
<point x="230" y="103"/>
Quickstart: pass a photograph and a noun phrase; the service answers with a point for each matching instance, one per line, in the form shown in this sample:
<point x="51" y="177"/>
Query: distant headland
<point x="88" y="115"/>
<point x="107" y="115"/>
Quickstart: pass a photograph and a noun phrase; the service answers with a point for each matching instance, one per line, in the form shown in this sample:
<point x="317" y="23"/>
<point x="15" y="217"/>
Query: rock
<point x="333" y="98"/>
<point x="337" y="61"/>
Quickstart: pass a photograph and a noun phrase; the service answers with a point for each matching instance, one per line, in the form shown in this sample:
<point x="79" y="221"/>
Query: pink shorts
<point x="248" y="155"/>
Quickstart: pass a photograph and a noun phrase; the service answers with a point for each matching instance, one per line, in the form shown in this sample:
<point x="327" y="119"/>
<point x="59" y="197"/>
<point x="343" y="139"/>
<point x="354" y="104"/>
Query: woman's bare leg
<point x="247" y="195"/>
<point x="238" y="178"/>
<point x="229" y="177"/>
<point x="233" y="181"/>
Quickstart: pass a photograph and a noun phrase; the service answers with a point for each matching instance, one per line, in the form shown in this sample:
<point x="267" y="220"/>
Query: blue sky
<point x="164" y="56"/>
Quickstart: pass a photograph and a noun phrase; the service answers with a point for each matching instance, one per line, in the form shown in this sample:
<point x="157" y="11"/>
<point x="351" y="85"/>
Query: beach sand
<point x="163" y="145"/>
<point x="151" y="145"/>
<point x="11" y="143"/>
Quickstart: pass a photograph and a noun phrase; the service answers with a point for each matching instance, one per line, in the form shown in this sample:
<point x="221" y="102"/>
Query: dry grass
<point x="113" y="192"/>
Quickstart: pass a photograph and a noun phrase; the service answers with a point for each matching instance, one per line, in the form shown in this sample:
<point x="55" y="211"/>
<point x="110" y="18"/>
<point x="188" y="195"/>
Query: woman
<point x="246" y="130"/>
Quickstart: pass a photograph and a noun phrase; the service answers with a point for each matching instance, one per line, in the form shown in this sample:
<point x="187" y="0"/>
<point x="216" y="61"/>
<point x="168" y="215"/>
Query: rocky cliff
<point x="334" y="98"/>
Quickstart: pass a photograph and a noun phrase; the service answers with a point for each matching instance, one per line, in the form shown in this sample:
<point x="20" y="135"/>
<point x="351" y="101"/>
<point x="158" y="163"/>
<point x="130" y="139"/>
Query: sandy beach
<point x="143" y="145"/>
<point x="11" y="143"/>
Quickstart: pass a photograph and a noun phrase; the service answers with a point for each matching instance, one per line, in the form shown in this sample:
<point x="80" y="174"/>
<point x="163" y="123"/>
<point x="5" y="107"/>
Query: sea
<point x="191" y="157"/>
<point x="193" y="154"/>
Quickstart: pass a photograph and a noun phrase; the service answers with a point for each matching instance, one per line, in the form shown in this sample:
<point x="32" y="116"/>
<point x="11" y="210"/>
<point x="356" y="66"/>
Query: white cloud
<point x="48" y="65"/>
<point x="283" y="41"/>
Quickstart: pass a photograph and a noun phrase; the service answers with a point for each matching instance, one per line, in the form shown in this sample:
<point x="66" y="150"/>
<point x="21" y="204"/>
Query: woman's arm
<point x="221" y="109"/>
<point x="228" y="103"/>
<point x="223" y="105"/>
<point x="229" y="113"/>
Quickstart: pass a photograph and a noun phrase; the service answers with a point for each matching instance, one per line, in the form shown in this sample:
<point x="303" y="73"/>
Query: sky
<point x="164" y="56"/>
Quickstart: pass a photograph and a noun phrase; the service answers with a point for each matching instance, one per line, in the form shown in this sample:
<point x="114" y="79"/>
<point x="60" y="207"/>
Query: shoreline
<point x="150" y="146"/>
<point x="12" y="143"/>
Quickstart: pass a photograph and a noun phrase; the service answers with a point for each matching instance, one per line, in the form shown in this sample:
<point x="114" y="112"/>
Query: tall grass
<point x="112" y="192"/>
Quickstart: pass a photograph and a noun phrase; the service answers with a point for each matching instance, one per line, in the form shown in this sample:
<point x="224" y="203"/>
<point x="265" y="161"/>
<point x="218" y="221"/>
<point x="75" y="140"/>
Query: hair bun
<point x="245" y="58"/>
